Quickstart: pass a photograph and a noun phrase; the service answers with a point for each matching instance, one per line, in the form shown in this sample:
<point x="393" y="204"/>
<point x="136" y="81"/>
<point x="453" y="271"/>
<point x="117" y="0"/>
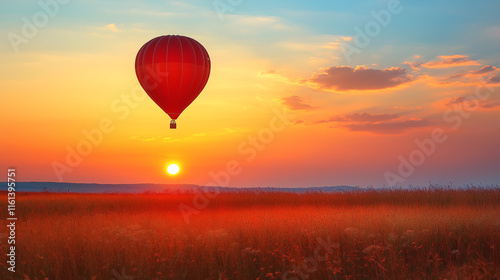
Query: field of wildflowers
<point x="436" y="233"/>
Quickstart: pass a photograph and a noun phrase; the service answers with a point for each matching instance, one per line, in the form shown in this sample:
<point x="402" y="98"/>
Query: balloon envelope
<point x="173" y="70"/>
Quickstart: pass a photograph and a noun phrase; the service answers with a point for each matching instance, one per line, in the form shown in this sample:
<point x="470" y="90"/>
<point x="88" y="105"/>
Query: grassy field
<point x="419" y="234"/>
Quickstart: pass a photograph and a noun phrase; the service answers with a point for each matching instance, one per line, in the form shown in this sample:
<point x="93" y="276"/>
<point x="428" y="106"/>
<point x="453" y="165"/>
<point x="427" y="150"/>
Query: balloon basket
<point x="173" y="124"/>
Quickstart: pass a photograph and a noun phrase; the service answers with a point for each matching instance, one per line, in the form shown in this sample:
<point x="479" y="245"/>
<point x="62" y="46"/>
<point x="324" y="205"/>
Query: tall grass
<point x="436" y="233"/>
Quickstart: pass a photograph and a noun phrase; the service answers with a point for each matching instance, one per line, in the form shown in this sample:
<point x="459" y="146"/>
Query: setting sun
<point x="173" y="169"/>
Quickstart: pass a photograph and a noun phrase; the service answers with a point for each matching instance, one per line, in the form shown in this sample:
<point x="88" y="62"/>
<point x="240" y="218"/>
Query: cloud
<point x="364" y="78"/>
<point x="149" y="139"/>
<point x="471" y="103"/>
<point x="408" y="108"/>
<point x="454" y="100"/>
<point x="268" y="72"/>
<point x="376" y="123"/>
<point x="256" y="20"/>
<point x="276" y="76"/>
<point x="364" y="117"/>
<point x="447" y="61"/>
<point x="296" y="103"/>
<point x="259" y="22"/>
<point x="478" y="77"/>
<point x="484" y="70"/>
<point x="112" y="27"/>
<point x="345" y="78"/>
<point x="488" y="104"/>
<point x="465" y="77"/>
<point x="494" y="79"/>
<point x="454" y="77"/>
<point x="415" y="63"/>
<point x="388" y="127"/>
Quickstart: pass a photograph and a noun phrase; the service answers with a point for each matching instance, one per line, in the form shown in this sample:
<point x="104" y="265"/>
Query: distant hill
<point x="158" y="188"/>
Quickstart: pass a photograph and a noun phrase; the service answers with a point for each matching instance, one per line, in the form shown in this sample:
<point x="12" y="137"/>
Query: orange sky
<point x="318" y="119"/>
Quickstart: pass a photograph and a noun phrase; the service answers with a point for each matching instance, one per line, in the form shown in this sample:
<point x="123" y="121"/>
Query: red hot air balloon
<point x="173" y="70"/>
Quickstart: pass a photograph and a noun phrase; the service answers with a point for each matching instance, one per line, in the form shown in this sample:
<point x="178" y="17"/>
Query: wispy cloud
<point x="415" y="62"/>
<point x="484" y="70"/>
<point x="494" y="79"/>
<point x="447" y="61"/>
<point x="388" y="127"/>
<point x="462" y="101"/>
<point x="469" y="78"/>
<point x="112" y="27"/>
<point x="345" y="78"/>
<point x="267" y="22"/>
<point x="376" y="123"/>
<point x="296" y="103"/>
<point x="364" y="117"/>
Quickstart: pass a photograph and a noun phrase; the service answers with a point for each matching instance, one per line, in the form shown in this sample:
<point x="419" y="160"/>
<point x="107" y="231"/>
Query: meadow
<point x="433" y="233"/>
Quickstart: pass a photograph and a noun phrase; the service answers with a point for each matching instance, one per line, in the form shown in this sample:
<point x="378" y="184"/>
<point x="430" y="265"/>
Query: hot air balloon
<point x="173" y="70"/>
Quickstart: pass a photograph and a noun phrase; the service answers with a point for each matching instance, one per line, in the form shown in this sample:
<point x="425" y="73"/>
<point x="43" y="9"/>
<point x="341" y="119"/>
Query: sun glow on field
<point x="173" y="169"/>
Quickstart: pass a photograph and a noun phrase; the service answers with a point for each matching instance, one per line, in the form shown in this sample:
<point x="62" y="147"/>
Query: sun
<point x="173" y="169"/>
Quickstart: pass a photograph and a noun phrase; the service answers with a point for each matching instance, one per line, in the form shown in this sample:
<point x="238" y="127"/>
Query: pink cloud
<point x="454" y="77"/>
<point x="494" y="79"/>
<point x="345" y="78"/>
<point x="454" y="100"/>
<point x="296" y="103"/>
<point x="489" y="104"/>
<point x="388" y="127"/>
<point x="376" y="123"/>
<point x="269" y="72"/>
<point x="484" y="70"/>
<point x="364" y="117"/>
<point x="462" y="101"/>
<point x="447" y="61"/>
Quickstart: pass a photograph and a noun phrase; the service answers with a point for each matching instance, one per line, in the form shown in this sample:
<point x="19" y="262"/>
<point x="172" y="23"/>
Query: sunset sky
<point x="296" y="96"/>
